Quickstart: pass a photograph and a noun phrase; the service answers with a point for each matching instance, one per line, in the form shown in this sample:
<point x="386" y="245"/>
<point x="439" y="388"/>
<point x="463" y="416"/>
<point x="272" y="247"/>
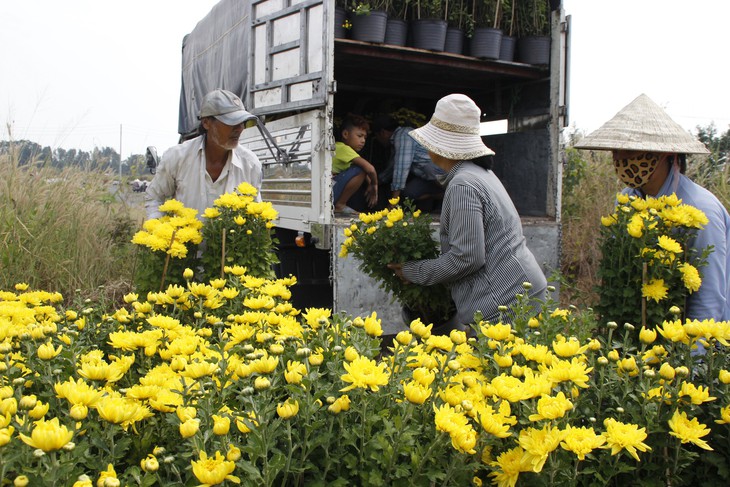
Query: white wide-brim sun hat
<point x="642" y="125"/>
<point x="453" y="131"/>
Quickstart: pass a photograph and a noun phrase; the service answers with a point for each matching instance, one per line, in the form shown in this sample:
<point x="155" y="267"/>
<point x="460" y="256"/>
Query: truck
<point x="283" y="59"/>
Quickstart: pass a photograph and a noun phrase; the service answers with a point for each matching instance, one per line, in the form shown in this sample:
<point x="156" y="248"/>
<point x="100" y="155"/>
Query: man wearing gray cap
<point x="199" y="170"/>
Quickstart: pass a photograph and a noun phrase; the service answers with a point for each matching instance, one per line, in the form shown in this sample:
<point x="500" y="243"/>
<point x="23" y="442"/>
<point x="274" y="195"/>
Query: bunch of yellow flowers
<point x="647" y="262"/>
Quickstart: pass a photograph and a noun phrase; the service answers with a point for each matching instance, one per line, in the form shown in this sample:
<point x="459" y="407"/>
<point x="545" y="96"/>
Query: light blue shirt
<point x="409" y="157"/>
<point x="713" y="298"/>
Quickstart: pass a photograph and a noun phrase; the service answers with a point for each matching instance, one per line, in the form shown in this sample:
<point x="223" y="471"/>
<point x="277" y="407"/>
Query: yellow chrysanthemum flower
<point x="669" y="244"/>
<point x="688" y="430"/>
<point x="654" y="289"/>
<point x="690" y="277"/>
<point x="287" y="409"/>
<point x="364" y="373"/>
<point x="551" y="407"/>
<point x="625" y="436"/>
<point x="539" y="443"/>
<point x="48" y="435"/>
<point x="214" y="470"/>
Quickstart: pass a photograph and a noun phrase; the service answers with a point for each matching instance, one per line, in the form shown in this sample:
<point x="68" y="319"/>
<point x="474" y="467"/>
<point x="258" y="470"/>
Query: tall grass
<point x="590" y="185"/>
<point x="62" y="230"/>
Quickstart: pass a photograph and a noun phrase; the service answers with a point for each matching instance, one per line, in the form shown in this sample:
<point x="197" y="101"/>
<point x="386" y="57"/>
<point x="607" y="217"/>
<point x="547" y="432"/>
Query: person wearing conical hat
<point x="649" y="154"/>
<point x="484" y="256"/>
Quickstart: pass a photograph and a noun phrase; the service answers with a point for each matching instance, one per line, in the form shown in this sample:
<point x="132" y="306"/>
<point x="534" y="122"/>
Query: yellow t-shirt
<point x="344" y="154"/>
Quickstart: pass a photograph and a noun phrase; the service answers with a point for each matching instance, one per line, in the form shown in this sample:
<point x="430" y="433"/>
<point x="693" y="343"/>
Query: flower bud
<point x="261" y="383"/>
<point x="725" y="376"/>
<point x="454" y="365"/>
<point x="527" y="285"/>
<point x="551" y="289"/>
<point x="404" y="337"/>
<point x="675" y="310"/>
<point x="28" y="402"/>
<point x="149" y="464"/>
<point x="612" y="325"/>
<point x="20" y="481"/>
<point x="647" y="335"/>
<point x="602" y="361"/>
<point x="620" y="410"/>
<point x="682" y="371"/>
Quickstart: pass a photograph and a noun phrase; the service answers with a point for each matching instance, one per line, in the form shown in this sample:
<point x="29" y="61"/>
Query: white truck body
<point x="282" y="58"/>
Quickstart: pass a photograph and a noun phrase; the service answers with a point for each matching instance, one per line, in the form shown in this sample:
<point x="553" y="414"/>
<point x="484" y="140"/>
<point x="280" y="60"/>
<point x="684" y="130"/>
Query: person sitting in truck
<point x="409" y="171"/>
<point x="350" y="171"/>
<point x="484" y="256"/>
<point x="200" y="170"/>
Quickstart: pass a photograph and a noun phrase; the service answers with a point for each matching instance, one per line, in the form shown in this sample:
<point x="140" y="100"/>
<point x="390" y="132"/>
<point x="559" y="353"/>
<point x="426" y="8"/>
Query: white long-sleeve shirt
<point x="182" y="175"/>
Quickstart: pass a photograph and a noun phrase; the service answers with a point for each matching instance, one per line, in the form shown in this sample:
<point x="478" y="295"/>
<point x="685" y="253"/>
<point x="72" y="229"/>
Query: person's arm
<point x="403" y="151"/>
<point x="710" y="300"/>
<point x="371" y="176"/>
<point x="466" y="253"/>
<point x="162" y="187"/>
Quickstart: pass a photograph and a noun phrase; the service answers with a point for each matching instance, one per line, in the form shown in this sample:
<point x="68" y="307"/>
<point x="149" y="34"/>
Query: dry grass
<point x="61" y="230"/>
<point x="591" y="196"/>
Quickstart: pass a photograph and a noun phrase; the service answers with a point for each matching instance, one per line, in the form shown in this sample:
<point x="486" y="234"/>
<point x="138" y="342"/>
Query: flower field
<point x="225" y="383"/>
<point x="216" y="379"/>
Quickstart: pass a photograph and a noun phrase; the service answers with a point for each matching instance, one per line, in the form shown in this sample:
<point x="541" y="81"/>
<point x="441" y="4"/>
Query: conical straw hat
<point x="642" y="125"/>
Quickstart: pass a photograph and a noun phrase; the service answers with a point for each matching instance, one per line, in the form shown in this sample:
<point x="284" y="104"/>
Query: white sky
<point x="74" y="71"/>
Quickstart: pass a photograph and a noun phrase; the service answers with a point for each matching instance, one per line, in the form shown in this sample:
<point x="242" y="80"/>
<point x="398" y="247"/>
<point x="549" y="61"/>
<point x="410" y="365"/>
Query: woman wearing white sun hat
<point x="649" y="154"/>
<point x="484" y="257"/>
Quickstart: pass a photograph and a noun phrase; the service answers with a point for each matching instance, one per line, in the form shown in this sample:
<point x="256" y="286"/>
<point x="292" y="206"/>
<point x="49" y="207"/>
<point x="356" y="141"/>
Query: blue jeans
<point x="341" y="179"/>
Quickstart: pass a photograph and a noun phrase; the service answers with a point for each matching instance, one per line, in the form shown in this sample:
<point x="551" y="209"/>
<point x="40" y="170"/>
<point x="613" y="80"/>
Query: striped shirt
<point x="484" y="256"/>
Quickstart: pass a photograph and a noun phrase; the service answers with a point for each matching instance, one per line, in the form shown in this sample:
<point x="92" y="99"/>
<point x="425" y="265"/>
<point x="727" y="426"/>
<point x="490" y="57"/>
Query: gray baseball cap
<point x="224" y="106"/>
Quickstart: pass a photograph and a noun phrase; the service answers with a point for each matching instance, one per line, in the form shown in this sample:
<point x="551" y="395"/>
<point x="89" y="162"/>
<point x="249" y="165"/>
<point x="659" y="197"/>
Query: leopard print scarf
<point x="636" y="171"/>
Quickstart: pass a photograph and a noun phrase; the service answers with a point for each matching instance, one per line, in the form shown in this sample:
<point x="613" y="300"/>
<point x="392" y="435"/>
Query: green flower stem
<point x="290" y="451"/>
<point x="440" y="437"/>
<point x="451" y="469"/>
<point x="364" y="431"/>
<point x="406" y="417"/>
<point x="711" y="366"/>
<point x="574" y="478"/>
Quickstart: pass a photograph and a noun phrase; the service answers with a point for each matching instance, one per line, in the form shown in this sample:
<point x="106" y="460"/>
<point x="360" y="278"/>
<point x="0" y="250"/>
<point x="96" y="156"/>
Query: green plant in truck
<point x="430" y="9"/>
<point x="533" y="17"/>
<point x="487" y="13"/>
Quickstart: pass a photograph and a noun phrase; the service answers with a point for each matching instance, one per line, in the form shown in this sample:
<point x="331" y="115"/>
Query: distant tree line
<point x="104" y="159"/>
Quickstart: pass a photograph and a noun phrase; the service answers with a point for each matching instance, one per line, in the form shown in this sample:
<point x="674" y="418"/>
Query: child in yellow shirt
<point x="349" y="170"/>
